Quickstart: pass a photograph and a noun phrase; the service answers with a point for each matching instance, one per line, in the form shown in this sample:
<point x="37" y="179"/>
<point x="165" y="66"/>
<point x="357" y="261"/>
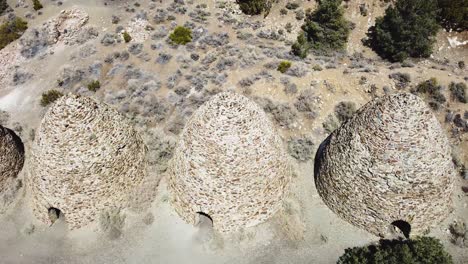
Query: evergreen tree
<point x="253" y="7"/>
<point x="423" y="250"/>
<point x="407" y="29"/>
<point x="453" y="14"/>
<point x="325" y="29"/>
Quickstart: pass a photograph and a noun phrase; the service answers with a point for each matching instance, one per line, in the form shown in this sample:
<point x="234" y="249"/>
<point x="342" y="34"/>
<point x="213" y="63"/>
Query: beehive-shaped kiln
<point x="86" y="158"/>
<point x="229" y="164"/>
<point x="389" y="164"/>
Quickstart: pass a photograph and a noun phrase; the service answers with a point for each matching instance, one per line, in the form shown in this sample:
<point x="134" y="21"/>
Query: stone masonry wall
<point x="11" y="155"/>
<point x="391" y="161"/>
<point x="86" y="158"/>
<point x="230" y="164"/>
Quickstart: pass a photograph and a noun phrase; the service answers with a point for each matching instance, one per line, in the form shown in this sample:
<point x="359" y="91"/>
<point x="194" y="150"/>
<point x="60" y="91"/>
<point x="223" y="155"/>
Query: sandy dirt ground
<point x="304" y="230"/>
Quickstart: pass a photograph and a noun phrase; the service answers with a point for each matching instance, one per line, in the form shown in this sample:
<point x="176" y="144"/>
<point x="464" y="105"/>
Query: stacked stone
<point x="229" y="164"/>
<point x="390" y="162"/>
<point x="86" y="158"/>
<point x="11" y="156"/>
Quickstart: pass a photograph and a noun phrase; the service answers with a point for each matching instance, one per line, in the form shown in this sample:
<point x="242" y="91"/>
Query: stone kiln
<point x="390" y="163"/>
<point x="229" y="164"/>
<point x="11" y="156"/>
<point x="86" y="158"/>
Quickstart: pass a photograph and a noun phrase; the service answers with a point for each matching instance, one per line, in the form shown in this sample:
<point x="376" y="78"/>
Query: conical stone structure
<point x="390" y="163"/>
<point x="229" y="164"/>
<point x="86" y="158"/>
<point x="11" y="156"/>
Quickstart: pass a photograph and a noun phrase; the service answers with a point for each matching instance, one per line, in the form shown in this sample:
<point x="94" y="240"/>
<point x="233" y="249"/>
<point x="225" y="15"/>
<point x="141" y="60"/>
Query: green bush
<point x="325" y="29"/>
<point x="453" y="14"/>
<point x="301" y="47"/>
<point x="11" y="31"/>
<point x="421" y="250"/>
<point x="94" y="86"/>
<point x="432" y="90"/>
<point x="50" y="97"/>
<point x="181" y="35"/>
<point x="37" y="5"/>
<point x="345" y="110"/>
<point x="127" y="38"/>
<point x="407" y="29"/>
<point x="284" y="66"/>
<point x="253" y="7"/>
<point x="458" y="91"/>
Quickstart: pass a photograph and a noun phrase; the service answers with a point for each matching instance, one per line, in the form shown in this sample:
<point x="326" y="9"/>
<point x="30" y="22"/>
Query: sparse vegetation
<point x="37" y="5"/>
<point x="331" y="123"/>
<point x="432" y="90"/>
<point x="94" y="85"/>
<point x="3" y="6"/>
<point x="50" y="97"/>
<point x="317" y="67"/>
<point x="127" y="38"/>
<point x="11" y="31"/>
<point x="301" y="148"/>
<point x="345" y="110"/>
<point x="181" y="35"/>
<point x="292" y="5"/>
<point x="325" y="29"/>
<point x="458" y="91"/>
<point x="425" y="250"/>
<point x="402" y="79"/>
<point x="407" y="29"/>
<point x="284" y="66"/>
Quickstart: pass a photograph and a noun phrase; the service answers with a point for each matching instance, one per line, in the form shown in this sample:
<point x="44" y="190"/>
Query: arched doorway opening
<point x="403" y="226"/>
<point x="54" y="214"/>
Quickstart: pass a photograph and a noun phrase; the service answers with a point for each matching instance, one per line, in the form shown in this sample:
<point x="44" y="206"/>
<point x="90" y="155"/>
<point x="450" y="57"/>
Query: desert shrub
<point x="253" y="7"/>
<point x="3" y="6"/>
<point x="453" y="14"/>
<point x="461" y="64"/>
<point x="50" y="97"/>
<point x="283" y="12"/>
<point x="458" y="91"/>
<point x="11" y="31"/>
<point x="402" y="79"/>
<point x="292" y="5"/>
<point x="325" y="29"/>
<point x="37" y="5"/>
<point x="424" y="250"/>
<point x="301" y="148"/>
<point x="181" y="35"/>
<point x="331" y="123"/>
<point x="317" y="67"/>
<point x="284" y="66"/>
<point x="432" y="89"/>
<point x="345" y="110"/>
<point x="94" y="86"/>
<point x="407" y="29"/>
<point x="300" y="14"/>
<point x="127" y="38"/>
<point x="288" y="27"/>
